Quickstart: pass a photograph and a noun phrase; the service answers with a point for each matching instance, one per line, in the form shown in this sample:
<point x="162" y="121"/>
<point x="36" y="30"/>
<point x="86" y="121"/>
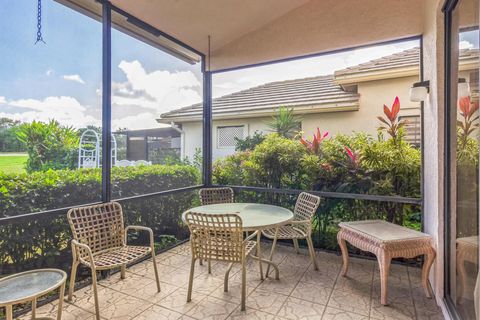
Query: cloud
<point x="74" y="77"/>
<point x="2" y="100"/>
<point x="49" y="72"/>
<point x="66" y="110"/>
<point x="160" y="90"/>
<point x="464" y="44"/>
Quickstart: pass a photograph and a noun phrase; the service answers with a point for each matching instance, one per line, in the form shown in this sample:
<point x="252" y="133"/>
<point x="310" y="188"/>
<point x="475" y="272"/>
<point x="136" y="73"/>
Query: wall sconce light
<point x="463" y="88"/>
<point x="419" y="91"/>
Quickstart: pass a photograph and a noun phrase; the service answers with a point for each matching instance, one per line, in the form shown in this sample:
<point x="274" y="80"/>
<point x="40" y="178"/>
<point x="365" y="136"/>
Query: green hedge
<point x="44" y="241"/>
<point x="39" y="191"/>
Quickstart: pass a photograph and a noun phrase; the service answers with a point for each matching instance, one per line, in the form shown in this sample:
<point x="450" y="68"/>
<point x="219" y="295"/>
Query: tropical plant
<point x="392" y="125"/>
<point x="314" y="145"/>
<point x="285" y="123"/>
<point x="469" y="122"/>
<point x="49" y="145"/>
<point x="354" y="157"/>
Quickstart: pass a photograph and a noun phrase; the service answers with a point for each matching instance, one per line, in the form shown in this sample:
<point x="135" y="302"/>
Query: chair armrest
<point x="306" y="223"/>
<point x="300" y="222"/>
<point x="250" y="237"/>
<point x="140" y="228"/>
<point x="76" y="244"/>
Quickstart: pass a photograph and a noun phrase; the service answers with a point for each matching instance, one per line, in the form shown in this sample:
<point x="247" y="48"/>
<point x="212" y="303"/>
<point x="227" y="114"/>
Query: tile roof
<point x="406" y="58"/>
<point x="309" y="94"/>
<point x="316" y="94"/>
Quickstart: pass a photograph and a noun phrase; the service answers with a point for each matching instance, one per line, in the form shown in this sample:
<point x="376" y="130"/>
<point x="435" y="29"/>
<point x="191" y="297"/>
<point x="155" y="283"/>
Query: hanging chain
<point x="39" y="23"/>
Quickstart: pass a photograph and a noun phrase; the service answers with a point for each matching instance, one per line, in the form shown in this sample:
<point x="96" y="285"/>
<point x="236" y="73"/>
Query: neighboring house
<point x="151" y="144"/>
<point x="345" y="102"/>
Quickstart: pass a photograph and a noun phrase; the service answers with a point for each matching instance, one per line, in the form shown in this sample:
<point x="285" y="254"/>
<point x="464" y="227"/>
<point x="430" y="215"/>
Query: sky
<point x="62" y="78"/>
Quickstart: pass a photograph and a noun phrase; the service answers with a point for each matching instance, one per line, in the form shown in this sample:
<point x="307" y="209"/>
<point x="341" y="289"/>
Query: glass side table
<point x="28" y="286"/>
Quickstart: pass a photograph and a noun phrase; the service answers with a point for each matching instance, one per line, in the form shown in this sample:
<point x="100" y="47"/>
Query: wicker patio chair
<point x="219" y="237"/>
<point x="100" y="243"/>
<point x="216" y="195"/>
<point x="301" y="226"/>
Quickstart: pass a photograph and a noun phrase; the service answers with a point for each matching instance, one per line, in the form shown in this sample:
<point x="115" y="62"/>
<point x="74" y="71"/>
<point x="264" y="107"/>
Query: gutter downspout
<point x="182" y="139"/>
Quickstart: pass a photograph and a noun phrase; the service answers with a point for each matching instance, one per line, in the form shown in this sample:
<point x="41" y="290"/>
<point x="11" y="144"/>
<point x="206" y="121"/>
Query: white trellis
<point x="89" y="153"/>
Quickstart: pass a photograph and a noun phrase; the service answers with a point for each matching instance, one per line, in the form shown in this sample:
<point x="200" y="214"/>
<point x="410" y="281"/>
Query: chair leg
<point x="209" y="267"/>
<point x="295" y="244"/>
<point x="123" y="269"/>
<point x="73" y="275"/>
<point x="311" y="249"/>
<point x="95" y="294"/>
<point x="200" y="262"/>
<point x="155" y="269"/>
<point x="244" y="285"/>
<point x="272" y="251"/>
<point x="190" y="280"/>
<point x="225" y="281"/>
<point x="259" y="253"/>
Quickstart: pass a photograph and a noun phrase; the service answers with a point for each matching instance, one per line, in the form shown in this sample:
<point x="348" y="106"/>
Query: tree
<point x="285" y="123"/>
<point x="8" y="137"/>
<point x="49" y="145"/>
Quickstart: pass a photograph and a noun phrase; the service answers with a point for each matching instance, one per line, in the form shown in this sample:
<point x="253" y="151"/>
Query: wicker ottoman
<point x="386" y="241"/>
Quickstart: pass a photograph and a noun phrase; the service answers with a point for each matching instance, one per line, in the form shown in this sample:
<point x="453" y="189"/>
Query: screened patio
<point x="225" y="37"/>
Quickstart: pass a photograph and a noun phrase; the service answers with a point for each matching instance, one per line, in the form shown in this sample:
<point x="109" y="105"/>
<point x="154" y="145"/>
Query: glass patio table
<point x="28" y="286"/>
<point x="255" y="217"/>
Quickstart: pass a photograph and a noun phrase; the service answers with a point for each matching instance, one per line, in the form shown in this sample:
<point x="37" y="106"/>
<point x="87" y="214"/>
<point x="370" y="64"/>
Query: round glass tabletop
<point x="29" y="284"/>
<point x="254" y="216"/>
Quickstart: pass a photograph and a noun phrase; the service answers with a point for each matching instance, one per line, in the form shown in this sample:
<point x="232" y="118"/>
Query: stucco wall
<point x="433" y="60"/>
<point x="193" y="135"/>
<point x="373" y="95"/>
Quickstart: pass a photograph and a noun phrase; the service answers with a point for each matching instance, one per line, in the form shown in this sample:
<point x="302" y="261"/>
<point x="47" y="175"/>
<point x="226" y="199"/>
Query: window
<point x="413" y="130"/>
<point x="226" y="136"/>
<point x="462" y="202"/>
<point x="50" y="109"/>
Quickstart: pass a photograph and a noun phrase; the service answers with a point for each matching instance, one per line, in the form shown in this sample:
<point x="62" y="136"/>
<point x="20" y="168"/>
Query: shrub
<point x="249" y="143"/>
<point x="44" y="241"/>
<point x="355" y="163"/>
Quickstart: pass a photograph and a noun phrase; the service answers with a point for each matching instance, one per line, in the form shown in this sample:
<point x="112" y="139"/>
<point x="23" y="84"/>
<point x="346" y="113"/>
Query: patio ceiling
<point x="246" y="32"/>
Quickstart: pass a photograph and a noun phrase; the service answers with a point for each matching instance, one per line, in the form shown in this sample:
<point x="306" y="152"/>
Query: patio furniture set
<point x="220" y="230"/>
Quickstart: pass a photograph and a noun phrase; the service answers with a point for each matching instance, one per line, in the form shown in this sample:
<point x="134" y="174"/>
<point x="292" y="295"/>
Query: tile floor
<point x="301" y="292"/>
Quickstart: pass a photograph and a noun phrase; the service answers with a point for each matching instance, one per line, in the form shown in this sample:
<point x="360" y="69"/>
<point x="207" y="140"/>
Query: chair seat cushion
<point x="117" y="256"/>
<point x="285" y="232"/>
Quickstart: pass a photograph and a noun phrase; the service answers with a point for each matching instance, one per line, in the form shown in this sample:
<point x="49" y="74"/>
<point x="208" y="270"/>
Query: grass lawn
<point x="13" y="162"/>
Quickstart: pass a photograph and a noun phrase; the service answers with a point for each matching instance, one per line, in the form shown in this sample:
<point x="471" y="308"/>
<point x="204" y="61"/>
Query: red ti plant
<point x="314" y="145"/>
<point x="469" y="122"/>
<point x="393" y="126"/>
<point x="354" y="157"/>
